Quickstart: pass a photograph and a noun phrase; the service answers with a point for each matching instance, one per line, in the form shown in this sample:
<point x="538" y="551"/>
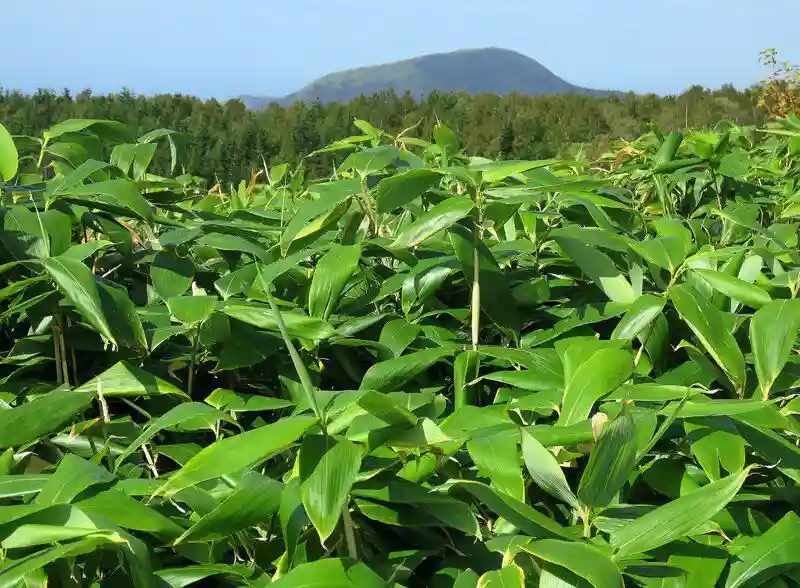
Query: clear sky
<point x="273" y="47"/>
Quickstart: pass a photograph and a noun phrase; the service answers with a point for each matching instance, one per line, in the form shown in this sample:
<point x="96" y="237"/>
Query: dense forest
<point x="226" y="141"/>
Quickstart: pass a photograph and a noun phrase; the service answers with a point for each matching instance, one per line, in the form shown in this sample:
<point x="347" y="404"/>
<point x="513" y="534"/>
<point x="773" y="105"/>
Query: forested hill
<point x="226" y="141"/>
<point x="474" y="71"/>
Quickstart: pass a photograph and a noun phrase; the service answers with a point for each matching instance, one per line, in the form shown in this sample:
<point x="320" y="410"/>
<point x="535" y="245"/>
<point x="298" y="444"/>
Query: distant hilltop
<point x="476" y="71"/>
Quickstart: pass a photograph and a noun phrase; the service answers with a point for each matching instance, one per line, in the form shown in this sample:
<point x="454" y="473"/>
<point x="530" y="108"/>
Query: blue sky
<point x="272" y="47"/>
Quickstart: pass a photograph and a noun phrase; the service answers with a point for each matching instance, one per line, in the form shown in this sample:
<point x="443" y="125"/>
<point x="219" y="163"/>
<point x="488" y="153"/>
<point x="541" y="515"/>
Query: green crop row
<point x="424" y="370"/>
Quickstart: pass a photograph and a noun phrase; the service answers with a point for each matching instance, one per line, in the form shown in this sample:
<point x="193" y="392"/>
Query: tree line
<point x="225" y="141"/>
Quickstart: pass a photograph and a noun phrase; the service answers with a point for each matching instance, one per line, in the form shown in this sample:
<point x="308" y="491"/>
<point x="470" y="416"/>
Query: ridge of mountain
<point x="475" y="71"/>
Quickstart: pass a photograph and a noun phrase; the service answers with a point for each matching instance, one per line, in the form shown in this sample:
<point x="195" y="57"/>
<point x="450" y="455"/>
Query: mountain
<point x="492" y="70"/>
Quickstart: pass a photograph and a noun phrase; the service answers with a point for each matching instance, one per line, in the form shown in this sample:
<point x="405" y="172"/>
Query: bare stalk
<point x="106" y="419"/>
<point x="349" y="533"/>
<point x="150" y="461"/>
<point x="476" y="293"/>
<point x="72" y="357"/>
<point x="62" y="342"/>
<point x="195" y="344"/>
<point x="299" y="367"/>
<point x="57" y="353"/>
<point x="367" y="208"/>
<point x="477" y="234"/>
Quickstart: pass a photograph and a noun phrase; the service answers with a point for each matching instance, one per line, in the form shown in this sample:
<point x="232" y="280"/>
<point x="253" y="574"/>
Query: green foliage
<point x="419" y="368"/>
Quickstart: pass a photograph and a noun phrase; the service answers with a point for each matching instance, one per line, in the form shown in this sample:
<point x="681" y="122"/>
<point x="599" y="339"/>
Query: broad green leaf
<point x="554" y="576"/>
<point x="386" y="409"/>
<point x="545" y="471"/>
<point x="600" y="269"/>
<point x="452" y="512"/>
<point x="398" y="190"/>
<point x="21" y="484"/>
<point x="171" y="275"/>
<point x="188" y="575"/>
<point x="498" y="456"/>
<point x="15" y="571"/>
<point x="611" y="462"/>
<point x="129" y="513"/>
<point x="297" y="324"/>
<point x="31" y="535"/>
<point x="497" y="171"/>
<point x="331" y="573"/>
<point x="8" y="156"/>
<point x="191" y="310"/>
<point x="123" y="320"/>
<point x="109" y="129"/>
<point x="328" y="195"/>
<point x="328" y="469"/>
<point x="734" y="288"/>
<point x="293" y="518"/>
<point x="446" y="140"/>
<point x="773" y="447"/>
<point x="371" y="160"/>
<point x="699" y="408"/>
<point x="594" y="236"/>
<point x="520" y="514"/>
<point x="254" y="501"/>
<point x="398" y="334"/>
<point x="223" y="241"/>
<point x="582" y="559"/>
<point x="773" y="332"/>
<point x="440" y="217"/>
<point x="80" y="287"/>
<point x="599" y="373"/>
<point x="122" y="156"/>
<point x="237" y="281"/>
<point x="767" y="555"/>
<point x="749" y="271"/>
<point x="187" y="411"/>
<point x="73" y="476"/>
<point x="702" y="564"/>
<point x="42" y="527"/>
<point x="733" y="165"/>
<point x="115" y="196"/>
<point x="237" y="453"/>
<point x="709" y="326"/>
<point x="653" y="392"/>
<point x="23" y="233"/>
<point x="77" y="177"/>
<point x="510" y="576"/>
<point x="58" y="226"/>
<point x="639" y="316"/>
<point x="559" y="436"/>
<point x="423" y="434"/>
<point x="124" y="379"/>
<point x="332" y="272"/>
<point x="223" y="399"/>
<point x="39" y="417"/>
<point x="74" y="150"/>
<point x="678" y="518"/>
<point x="271" y="271"/>
<point x="142" y="159"/>
<point x="714" y="442"/>
<point x="667" y="252"/>
<point x="544" y="361"/>
<point x="456" y="578"/>
<point x="387" y="376"/>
